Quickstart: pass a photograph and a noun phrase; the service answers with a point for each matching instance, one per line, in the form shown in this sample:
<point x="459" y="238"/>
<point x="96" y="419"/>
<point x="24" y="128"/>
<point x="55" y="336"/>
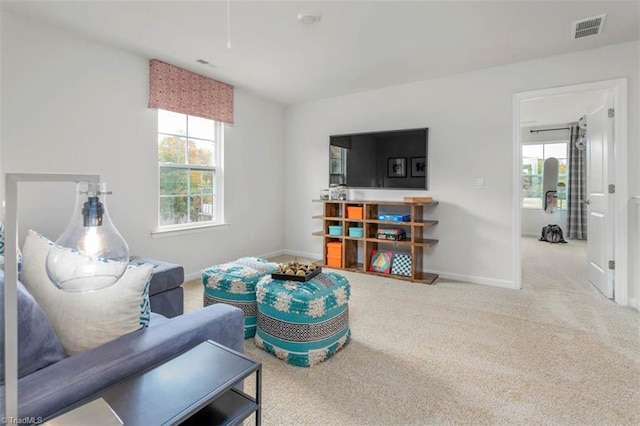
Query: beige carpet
<point x="555" y="352"/>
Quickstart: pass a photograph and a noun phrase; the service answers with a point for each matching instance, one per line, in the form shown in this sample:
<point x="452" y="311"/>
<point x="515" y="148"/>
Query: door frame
<point x="618" y="88"/>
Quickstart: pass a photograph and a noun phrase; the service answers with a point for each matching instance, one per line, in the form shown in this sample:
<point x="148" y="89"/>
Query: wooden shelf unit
<point x="335" y="214"/>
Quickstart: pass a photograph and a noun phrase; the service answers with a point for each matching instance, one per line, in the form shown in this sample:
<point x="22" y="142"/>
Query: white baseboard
<point x="192" y="276"/>
<point x="271" y="254"/>
<point x="476" y="280"/>
<point x="304" y="254"/>
<point x="531" y="234"/>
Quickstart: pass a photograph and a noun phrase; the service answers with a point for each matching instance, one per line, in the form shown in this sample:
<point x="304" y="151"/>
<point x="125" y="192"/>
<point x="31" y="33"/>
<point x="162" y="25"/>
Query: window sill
<point x="176" y="232"/>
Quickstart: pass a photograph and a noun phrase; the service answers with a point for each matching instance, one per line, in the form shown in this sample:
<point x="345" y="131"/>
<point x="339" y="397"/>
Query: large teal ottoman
<point x="303" y="323"/>
<point x="234" y="283"/>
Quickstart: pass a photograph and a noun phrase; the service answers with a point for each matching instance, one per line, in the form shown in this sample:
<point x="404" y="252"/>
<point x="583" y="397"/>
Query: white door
<point x="600" y="201"/>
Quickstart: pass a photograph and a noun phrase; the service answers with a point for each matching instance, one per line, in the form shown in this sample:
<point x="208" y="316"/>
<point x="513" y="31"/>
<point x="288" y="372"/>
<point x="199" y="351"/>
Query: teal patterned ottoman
<point x="303" y="323"/>
<point x="234" y="284"/>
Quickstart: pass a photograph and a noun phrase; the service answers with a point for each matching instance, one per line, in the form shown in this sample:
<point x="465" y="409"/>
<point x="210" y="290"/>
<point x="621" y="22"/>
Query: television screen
<point x="390" y="159"/>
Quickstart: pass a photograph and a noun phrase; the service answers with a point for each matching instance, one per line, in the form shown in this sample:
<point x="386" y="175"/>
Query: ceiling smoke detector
<point x="309" y="18"/>
<point x="587" y="27"/>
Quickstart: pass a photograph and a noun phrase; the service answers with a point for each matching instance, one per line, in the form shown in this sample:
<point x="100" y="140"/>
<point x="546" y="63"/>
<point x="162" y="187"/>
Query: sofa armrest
<point x="52" y="390"/>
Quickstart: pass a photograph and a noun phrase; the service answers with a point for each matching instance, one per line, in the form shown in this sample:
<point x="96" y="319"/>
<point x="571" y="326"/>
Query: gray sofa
<point x="72" y="380"/>
<point x="166" y="294"/>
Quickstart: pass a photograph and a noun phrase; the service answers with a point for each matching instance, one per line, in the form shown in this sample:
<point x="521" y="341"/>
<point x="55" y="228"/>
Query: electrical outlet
<point x="253" y="236"/>
<point x="479" y="183"/>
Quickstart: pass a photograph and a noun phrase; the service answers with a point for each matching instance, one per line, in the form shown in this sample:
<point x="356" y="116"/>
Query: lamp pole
<point x="11" y="278"/>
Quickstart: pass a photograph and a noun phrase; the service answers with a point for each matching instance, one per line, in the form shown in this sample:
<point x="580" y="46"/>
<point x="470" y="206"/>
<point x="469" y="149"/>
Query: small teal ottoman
<point x="234" y="284"/>
<point x="303" y="323"/>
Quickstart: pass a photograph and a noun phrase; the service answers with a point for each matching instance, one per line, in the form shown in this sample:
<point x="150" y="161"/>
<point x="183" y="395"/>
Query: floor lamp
<point x="11" y="267"/>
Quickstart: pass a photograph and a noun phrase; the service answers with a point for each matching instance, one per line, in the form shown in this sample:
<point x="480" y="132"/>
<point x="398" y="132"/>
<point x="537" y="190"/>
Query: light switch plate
<point x="479" y="183"/>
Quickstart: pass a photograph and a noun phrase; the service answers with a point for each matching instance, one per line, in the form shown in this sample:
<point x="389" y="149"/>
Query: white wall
<point x="73" y="105"/>
<point x="470" y="135"/>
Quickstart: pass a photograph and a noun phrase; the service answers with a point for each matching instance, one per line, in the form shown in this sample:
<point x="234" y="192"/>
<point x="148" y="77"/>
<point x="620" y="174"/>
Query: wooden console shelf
<point x="336" y="213"/>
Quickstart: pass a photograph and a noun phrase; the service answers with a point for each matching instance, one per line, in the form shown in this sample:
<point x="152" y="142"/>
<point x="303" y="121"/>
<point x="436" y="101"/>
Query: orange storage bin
<point x="336" y="262"/>
<point x="354" y="212"/>
<point x="334" y="254"/>
<point x="334" y="249"/>
<point x="337" y="254"/>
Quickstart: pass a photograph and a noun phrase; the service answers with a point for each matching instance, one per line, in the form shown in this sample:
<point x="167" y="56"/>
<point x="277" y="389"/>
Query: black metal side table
<point x="194" y="388"/>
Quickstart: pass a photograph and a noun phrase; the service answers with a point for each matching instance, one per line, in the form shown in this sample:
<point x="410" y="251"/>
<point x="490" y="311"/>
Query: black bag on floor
<point x="552" y="234"/>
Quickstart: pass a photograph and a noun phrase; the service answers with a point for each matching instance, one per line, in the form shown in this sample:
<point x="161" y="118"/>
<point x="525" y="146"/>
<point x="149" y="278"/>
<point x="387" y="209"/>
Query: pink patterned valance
<point x="178" y="90"/>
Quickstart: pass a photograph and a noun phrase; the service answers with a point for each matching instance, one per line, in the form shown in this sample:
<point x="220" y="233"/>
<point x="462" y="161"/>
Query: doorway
<point x="580" y="94"/>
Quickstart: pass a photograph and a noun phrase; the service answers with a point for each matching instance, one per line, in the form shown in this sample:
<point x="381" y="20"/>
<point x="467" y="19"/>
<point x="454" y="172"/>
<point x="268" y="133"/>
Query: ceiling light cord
<point x="228" y="26"/>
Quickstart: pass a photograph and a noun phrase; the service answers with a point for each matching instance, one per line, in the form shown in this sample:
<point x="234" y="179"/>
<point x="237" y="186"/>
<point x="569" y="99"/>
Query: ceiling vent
<point x="205" y="62"/>
<point x="587" y="27"/>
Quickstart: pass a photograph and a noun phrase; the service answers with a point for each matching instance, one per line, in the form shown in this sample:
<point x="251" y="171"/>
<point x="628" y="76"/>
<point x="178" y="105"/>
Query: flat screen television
<point x="395" y="159"/>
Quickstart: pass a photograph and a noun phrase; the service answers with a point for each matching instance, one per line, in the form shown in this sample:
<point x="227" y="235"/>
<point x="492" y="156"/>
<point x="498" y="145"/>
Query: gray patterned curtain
<point x="577" y="211"/>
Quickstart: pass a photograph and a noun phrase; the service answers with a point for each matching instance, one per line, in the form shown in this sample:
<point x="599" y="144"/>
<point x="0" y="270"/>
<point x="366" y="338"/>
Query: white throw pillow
<point x="84" y="320"/>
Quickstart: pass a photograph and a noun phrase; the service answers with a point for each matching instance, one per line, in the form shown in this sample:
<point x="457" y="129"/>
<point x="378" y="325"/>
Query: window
<point x="533" y="156"/>
<point x="190" y="173"/>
